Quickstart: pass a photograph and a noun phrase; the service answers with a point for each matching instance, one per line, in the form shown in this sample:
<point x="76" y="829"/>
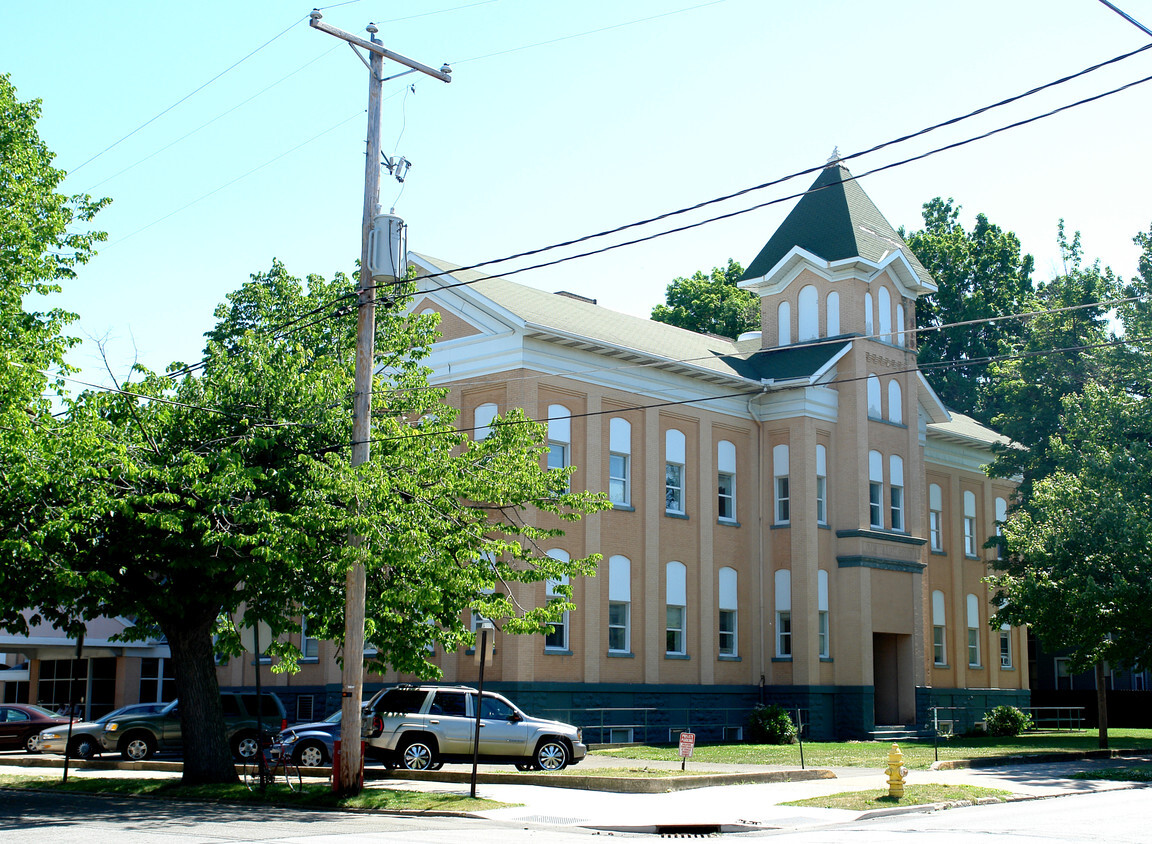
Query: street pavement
<point x="728" y="808"/>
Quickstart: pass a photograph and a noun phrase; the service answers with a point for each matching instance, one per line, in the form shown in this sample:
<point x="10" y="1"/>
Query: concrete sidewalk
<point x="720" y="808"/>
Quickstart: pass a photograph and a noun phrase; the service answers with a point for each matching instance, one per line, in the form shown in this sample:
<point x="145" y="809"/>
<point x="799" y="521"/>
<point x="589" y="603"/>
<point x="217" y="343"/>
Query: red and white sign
<point x="687" y="743"/>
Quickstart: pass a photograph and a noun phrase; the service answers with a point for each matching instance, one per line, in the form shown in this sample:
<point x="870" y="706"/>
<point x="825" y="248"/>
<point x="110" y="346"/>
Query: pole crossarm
<point x="444" y="74"/>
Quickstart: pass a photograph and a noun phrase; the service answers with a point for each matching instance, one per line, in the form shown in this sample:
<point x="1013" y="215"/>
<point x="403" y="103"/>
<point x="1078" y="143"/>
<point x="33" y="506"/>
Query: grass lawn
<point x="914" y="795"/>
<point x="874" y="754"/>
<point x="1136" y="773"/>
<point x="312" y="796"/>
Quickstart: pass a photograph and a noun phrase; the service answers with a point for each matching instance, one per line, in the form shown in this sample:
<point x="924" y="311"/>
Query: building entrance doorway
<point x="895" y="695"/>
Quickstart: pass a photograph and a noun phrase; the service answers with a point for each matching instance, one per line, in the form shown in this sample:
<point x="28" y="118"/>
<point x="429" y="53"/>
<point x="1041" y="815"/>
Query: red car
<point x="21" y="723"/>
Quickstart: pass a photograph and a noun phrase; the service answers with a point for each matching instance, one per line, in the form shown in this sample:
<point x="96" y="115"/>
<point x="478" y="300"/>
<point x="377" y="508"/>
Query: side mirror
<point x="515" y="718"/>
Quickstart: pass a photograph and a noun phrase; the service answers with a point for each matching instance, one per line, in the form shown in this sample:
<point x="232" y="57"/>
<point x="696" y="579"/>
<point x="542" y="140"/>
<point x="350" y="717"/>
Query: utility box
<point x="388" y="248"/>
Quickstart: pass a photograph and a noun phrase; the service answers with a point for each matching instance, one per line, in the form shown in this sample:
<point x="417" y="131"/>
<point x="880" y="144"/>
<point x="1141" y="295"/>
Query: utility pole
<point x="347" y="778"/>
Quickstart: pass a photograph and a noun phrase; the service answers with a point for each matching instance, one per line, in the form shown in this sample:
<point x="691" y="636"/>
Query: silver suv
<point x="421" y="727"/>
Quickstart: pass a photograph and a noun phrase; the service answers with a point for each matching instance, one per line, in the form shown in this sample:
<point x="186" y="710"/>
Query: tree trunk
<point x="1102" y="705"/>
<point x="207" y="757"/>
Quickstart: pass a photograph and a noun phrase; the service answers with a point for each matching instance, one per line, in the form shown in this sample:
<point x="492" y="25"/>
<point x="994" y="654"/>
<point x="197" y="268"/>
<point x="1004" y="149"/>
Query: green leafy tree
<point x="1065" y="349"/>
<point x="43" y="238"/>
<point x="981" y="274"/>
<point x="1078" y="547"/>
<point x="711" y="304"/>
<point x="225" y="488"/>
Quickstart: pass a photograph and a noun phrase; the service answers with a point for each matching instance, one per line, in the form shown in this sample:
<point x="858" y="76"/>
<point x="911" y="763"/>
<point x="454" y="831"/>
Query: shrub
<point x="1007" y="721"/>
<point x="771" y="725"/>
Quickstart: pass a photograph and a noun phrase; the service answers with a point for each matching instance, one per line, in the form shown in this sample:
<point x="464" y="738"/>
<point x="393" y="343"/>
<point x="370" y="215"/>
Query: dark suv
<point x="421" y="727"/>
<point x="138" y="736"/>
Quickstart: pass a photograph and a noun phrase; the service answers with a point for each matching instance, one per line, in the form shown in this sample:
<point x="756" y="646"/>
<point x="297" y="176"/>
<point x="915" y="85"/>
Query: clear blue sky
<point x="657" y="104"/>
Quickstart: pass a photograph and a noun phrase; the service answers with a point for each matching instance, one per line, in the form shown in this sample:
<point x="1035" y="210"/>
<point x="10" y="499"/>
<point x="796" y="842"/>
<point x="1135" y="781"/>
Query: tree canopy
<point x="226" y="487"/>
<point x="711" y="304"/>
<point x="981" y="274"/>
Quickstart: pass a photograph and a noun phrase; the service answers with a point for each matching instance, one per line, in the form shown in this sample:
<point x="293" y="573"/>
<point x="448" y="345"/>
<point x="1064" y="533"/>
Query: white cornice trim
<point x="798" y="259"/>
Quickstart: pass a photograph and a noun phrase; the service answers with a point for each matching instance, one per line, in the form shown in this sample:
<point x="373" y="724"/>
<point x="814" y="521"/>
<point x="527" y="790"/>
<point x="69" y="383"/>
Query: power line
<point x="808" y="171"/>
<point x="758" y="206"/>
<point x="188" y="95"/>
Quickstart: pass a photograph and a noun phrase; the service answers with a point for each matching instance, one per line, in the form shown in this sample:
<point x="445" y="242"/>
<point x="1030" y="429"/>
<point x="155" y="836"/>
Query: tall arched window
<point x="559" y="437"/>
<point x="821" y="485"/>
<point x="896" y="491"/>
<point x="874" y="409"/>
<point x="884" y="315"/>
<point x="725" y="481"/>
<point x="969" y="523"/>
<point x="780" y="485"/>
<point x="900" y="338"/>
<point x="973" y="607"/>
<point x="935" y="518"/>
<point x="807" y="314"/>
<point x="619" y="604"/>
<point x="832" y="305"/>
<point x="939" y="653"/>
<point x="784" y="324"/>
<point x="1001" y="516"/>
<point x="556" y="639"/>
<point x="868" y="321"/>
<point x="619" y="461"/>
<point x="729" y="615"/>
<point x="895" y="403"/>
<point x="482" y="420"/>
<point x="875" y="489"/>
<point x="822" y="636"/>
<point x="783" y="583"/>
<point x="674" y="461"/>
<point x="676" y="607"/>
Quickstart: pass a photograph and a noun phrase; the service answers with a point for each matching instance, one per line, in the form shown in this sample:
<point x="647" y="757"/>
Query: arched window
<point x="821" y="485"/>
<point x="619" y="604"/>
<point x="807" y="314"/>
<point x="875" y="489"/>
<point x="783" y="583"/>
<point x="676" y="606"/>
<point x="896" y="491"/>
<point x="868" y="321"/>
<point x="969" y="523"/>
<point x="728" y="605"/>
<point x="780" y="485"/>
<point x="619" y="461"/>
<point x="874" y="410"/>
<point x="482" y="420"/>
<point x="784" y="324"/>
<point x="935" y="518"/>
<point x="674" y="471"/>
<point x="822" y="636"/>
<point x="973" y="607"/>
<point x="900" y="338"/>
<point x="884" y="314"/>
<point x="895" y="403"/>
<point x="556" y="639"/>
<point x="1001" y="516"/>
<point x="559" y="437"/>
<point x="939" y="655"/>
<point x="833" y="307"/>
<point x="726" y="481"/>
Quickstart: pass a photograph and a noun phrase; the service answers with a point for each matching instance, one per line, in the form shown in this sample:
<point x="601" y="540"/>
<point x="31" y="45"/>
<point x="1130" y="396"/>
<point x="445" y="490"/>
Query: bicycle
<point x="268" y="765"/>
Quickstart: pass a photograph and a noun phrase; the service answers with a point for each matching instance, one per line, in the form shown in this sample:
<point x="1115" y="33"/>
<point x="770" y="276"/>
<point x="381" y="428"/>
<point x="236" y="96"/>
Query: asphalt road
<point x="1116" y="817"/>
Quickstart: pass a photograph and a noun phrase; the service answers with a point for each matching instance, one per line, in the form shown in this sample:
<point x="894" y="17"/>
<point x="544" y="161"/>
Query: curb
<point x="1034" y="758"/>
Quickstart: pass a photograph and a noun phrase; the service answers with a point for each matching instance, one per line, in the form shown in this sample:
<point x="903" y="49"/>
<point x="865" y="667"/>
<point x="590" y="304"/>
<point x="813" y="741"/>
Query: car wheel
<point x="136" y="747"/>
<point x="245" y="746"/>
<point x="525" y="766"/>
<point x="418" y="755"/>
<point x="83" y="747"/>
<point x="551" y="755"/>
<point x="311" y="755"/>
<point x="32" y="743"/>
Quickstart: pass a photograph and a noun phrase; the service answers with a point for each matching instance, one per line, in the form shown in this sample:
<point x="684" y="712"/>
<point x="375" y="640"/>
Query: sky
<point x="562" y="119"/>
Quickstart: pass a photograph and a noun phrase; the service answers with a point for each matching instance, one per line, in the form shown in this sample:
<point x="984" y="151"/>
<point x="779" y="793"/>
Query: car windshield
<point x="133" y="709"/>
<point x="40" y="710"/>
<point x="334" y="718"/>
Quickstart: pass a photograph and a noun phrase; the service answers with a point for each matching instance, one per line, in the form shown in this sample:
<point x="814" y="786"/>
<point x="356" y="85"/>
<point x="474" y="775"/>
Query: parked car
<point x="22" y="723"/>
<point x="419" y="727"/>
<point x="86" y="734"/>
<point x="310" y="745"/>
<point x="140" y="736"/>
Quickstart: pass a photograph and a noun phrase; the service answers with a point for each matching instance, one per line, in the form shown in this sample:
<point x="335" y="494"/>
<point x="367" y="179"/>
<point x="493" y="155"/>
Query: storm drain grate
<point x="688" y="831"/>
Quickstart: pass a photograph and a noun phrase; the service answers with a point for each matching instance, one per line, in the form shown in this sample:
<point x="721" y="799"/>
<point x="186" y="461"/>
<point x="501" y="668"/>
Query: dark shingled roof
<point x="835" y="220"/>
<point x="787" y="362"/>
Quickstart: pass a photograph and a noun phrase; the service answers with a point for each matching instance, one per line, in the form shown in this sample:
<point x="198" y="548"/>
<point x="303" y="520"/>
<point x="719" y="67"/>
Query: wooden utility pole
<point x="347" y="777"/>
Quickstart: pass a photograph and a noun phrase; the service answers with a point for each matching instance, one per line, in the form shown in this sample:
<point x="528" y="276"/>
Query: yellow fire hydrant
<point x="896" y="772"/>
